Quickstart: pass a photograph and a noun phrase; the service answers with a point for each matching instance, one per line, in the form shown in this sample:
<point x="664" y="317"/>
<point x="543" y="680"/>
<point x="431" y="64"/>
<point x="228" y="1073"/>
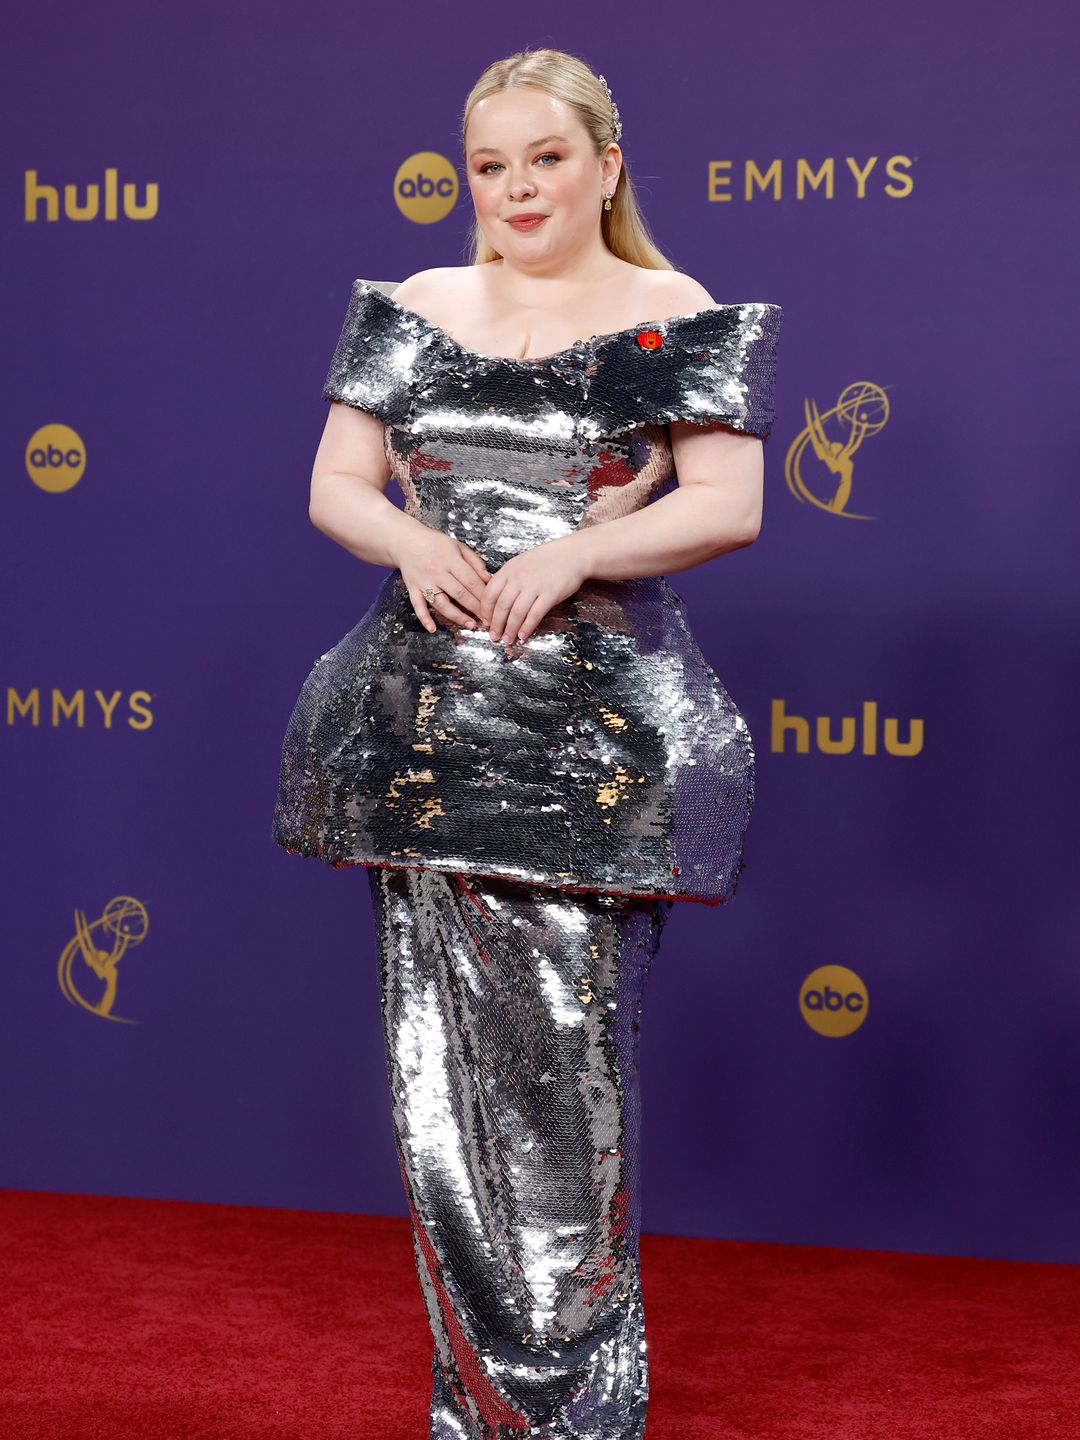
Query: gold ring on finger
<point x="429" y="595"/>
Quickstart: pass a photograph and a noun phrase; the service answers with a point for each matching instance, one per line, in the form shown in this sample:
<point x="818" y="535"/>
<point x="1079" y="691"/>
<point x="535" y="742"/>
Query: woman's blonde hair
<point x="569" y="79"/>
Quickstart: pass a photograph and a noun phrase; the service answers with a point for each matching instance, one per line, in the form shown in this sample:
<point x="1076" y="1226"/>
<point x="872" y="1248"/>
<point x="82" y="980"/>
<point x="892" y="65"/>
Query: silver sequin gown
<point x="528" y="819"/>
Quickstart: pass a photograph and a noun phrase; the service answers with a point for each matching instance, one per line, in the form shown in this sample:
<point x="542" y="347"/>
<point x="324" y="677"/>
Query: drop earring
<point x="607" y="199"/>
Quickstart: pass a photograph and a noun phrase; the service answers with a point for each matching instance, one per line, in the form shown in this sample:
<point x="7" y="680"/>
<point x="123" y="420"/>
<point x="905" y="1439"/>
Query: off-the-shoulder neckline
<point x="532" y="360"/>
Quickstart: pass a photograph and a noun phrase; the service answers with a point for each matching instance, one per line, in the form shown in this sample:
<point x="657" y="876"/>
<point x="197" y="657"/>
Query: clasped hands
<point x="509" y="603"/>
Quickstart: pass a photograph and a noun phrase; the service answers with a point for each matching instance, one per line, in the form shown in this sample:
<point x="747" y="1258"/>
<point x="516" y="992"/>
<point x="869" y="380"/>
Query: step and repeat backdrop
<point x="875" y="1043"/>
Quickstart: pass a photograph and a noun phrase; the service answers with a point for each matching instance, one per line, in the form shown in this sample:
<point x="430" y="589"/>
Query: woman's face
<point x="527" y="153"/>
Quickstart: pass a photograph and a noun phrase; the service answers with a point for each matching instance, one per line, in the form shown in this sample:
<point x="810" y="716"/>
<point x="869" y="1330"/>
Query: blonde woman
<point x="521" y="739"/>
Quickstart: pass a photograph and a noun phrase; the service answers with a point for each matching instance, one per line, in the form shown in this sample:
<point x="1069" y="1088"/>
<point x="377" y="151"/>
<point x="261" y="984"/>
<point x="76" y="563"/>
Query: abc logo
<point x="833" y="1000"/>
<point x="425" y="187"/>
<point x="55" y="458"/>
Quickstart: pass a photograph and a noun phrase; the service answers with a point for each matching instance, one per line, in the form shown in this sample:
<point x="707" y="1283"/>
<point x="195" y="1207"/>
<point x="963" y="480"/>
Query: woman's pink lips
<point x="527" y="224"/>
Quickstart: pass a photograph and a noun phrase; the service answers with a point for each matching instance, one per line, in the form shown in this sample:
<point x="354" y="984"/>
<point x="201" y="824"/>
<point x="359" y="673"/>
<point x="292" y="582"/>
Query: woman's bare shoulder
<point x="441" y="294"/>
<point x="676" y="292"/>
<point x="415" y="290"/>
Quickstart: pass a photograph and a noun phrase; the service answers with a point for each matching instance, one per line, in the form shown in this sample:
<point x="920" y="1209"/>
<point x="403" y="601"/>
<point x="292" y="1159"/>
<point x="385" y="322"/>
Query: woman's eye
<point x="547" y="155"/>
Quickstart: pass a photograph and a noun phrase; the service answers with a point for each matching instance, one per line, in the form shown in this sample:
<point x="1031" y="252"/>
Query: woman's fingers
<point x="449" y="611"/>
<point x="454" y="572"/>
<point x="514" y="617"/>
<point x="537" y="611"/>
<point x="466" y="591"/>
<point x="420" y="606"/>
<point x="524" y="605"/>
<point x="444" y="606"/>
<point x="504" y="603"/>
<point x="492" y="590"/>
<point x="473" y="559"/>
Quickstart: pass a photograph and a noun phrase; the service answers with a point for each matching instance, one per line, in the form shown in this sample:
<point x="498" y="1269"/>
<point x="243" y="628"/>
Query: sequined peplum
<point x="603" y="753"/>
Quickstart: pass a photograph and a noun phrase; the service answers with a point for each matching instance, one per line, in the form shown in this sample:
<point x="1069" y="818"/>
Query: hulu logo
<point x="851" y="735"/>
<point x="92" y="201"/>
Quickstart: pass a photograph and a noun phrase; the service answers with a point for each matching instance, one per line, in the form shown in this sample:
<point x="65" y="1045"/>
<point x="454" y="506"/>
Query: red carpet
<point x="142" y="1318"/>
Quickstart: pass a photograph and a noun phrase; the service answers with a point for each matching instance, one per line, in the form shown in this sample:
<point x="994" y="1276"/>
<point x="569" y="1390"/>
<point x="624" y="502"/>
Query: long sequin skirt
<point x="511" y="1016"/>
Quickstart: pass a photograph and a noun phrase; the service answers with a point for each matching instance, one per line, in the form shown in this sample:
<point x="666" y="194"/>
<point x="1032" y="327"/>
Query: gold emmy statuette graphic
<point x="123" y="922"/>
<point x="861" y="410"/>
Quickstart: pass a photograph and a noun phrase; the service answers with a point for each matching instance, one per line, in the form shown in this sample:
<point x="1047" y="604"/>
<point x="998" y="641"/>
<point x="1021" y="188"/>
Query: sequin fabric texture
<point x="603" y="753"/>
<point x="511" y="1014"/>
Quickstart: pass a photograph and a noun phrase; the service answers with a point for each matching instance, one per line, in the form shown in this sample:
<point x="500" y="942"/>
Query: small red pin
<point x="650" y="339"/>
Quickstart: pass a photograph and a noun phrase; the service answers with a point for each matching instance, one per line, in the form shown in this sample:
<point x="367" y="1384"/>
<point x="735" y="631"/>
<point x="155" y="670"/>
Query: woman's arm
<point x="348" y="500"/>
<point x="349" y="503"/>
<point x="716" y="508"/>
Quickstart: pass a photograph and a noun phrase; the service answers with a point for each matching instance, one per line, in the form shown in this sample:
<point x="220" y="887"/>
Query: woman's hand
<point x="524" y="589"/>
<point x="431" y="560"/>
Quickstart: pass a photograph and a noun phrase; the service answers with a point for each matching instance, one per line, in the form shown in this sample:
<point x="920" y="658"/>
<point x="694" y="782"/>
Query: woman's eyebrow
<point x="487" y="149"/>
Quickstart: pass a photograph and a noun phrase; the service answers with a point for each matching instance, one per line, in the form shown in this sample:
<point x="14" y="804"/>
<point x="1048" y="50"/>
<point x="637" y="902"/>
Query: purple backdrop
<point x="179" y="582"/>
